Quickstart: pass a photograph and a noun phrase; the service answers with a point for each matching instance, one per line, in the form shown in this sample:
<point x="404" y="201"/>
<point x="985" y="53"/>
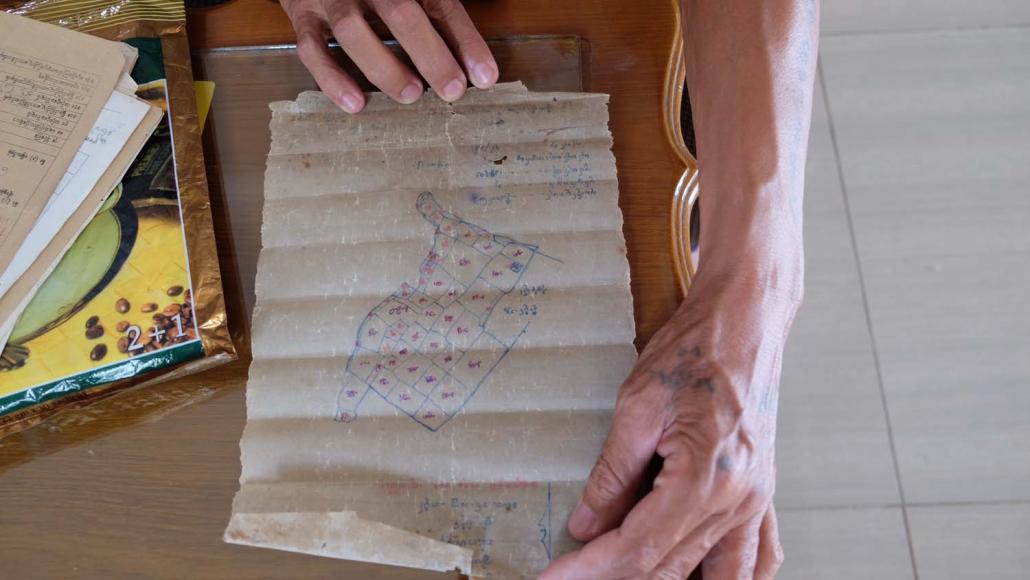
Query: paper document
<point x="54" y="84"/>
<point x="443" y="320"/>
<point x="116" y="123"/>
<point x="19" y="295"/>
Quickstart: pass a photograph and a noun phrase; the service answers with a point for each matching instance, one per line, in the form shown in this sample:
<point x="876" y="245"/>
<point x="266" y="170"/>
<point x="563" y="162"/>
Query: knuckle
<point x="386" y="77"/>
<point x="635" y="404"/>
<point x="605" y="481"/>
<point x="308" y="44"/>
<point x="733" y="484"/>
<point x="668" y="574"/>
<point x="441" y="9"/>
<point x="347" y="25"/>
<point x="642" y="559"/>
<point x="751" y="491"/>
<point x="753" y="503"/>
<point x="297" y="7"/>
<point x="403" y="14"/>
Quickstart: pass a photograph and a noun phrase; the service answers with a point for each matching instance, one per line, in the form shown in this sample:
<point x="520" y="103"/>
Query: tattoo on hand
<point x="692" y="372"/>
<point x="724" y="463"/>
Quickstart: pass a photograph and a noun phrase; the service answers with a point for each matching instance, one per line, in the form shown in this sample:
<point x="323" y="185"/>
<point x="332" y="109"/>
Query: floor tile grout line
<point x="868" y="315"/>
<point x="895" y="505"/>
<point x="909" y="31"/>
<point x="969" y="503"/>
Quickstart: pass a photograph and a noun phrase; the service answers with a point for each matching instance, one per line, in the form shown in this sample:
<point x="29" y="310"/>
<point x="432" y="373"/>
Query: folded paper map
<point x="443" y="320"/>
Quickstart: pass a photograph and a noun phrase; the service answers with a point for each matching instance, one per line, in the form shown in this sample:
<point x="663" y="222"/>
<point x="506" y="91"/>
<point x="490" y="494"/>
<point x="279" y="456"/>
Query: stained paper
<point x="443" y="320"/>
<point x="55" y="84"/>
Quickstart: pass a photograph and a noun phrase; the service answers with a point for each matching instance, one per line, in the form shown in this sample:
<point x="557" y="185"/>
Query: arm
<point x="703" y="394"/>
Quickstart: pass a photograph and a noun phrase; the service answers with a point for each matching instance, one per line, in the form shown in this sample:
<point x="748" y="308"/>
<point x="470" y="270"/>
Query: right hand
<point x="436" y="34"/>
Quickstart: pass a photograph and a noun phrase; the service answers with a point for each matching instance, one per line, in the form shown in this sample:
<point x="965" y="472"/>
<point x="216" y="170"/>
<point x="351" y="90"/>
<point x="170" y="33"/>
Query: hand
<point x="703" y="397"/>
<point x="436" y="34"/>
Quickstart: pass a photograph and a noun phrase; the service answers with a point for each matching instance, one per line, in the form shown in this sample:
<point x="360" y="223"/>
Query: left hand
<point x="703" y="397"/>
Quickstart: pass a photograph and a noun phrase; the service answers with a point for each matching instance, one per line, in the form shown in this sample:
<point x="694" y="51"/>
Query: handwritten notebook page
<point x="443" y="320"/>
<point x="117" y="121"/>
<point x="55" y="83"/>
<point x="17" y="292"/>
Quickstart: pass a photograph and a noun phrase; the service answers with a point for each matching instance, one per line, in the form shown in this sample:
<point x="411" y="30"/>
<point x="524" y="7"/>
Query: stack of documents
<point x="70" y="126"/>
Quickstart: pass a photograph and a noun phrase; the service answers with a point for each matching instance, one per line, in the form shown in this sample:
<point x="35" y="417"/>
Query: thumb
<point x="618" y="474"/>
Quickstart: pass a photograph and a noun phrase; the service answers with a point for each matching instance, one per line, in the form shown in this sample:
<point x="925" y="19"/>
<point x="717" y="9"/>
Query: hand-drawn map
<point x="443" y="318"/>
<point x="429" y="346"/>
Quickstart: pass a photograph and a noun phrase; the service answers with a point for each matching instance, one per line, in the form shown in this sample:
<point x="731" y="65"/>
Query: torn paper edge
<point x="346" y="535"/>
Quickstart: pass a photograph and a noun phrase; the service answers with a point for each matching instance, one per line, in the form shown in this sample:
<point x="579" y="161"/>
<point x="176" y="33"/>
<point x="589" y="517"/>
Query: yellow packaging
<point x="140" y="291"/>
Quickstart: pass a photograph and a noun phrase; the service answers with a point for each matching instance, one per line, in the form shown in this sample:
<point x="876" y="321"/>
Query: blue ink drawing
<point x="544" y="526"/>
<point x="428" y="347"/>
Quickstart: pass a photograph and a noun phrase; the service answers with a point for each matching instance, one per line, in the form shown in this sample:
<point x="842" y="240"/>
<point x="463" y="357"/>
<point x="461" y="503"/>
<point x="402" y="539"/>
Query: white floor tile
<point x="844" y="544"/>
<point x="956" y="372"/>
<point x="975" y="541"/>
<point x="881" y="15"/>
<point x="934" y="134"/>
<point x="833" y="448"/>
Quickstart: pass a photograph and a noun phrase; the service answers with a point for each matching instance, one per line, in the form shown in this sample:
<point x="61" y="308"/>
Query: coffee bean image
<point x="122" y="305"/>
<point x="94" y="332"/>
<point x="123" y="344"/>
<point x="99" y="351"/>
<point x="174" y="291"/>
<point x="148" y="307"/>
<point x="122" y="326"/>
<point x="171" y="310"/>
<point x="92" y="321"/>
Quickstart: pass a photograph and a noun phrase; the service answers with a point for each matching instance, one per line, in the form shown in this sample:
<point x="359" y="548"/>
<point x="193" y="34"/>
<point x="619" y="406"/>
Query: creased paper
<point x="443" y="320"/>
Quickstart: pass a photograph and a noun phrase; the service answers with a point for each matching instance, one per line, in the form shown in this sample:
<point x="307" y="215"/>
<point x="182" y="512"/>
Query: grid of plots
<point x="428" y="347"/>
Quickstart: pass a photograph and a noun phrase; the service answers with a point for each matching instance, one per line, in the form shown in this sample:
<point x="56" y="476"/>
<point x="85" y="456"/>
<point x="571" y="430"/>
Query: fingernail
<point x="453" y="90"/>
<point x="582" y="521"/>
<point x="484" y="74"/>
<point x="350" y="103"/>
<point x="411" y="93"/>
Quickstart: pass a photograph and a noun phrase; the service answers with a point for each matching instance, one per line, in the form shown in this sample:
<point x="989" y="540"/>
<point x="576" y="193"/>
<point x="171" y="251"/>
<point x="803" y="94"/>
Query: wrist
<point x="751" y="242"/>
<point x="765" y="285"/>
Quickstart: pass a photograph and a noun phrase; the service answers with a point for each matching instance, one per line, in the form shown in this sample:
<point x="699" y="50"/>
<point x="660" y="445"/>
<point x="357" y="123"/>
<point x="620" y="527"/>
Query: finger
<point x="735" y="556"/>
<point x="770" y="552"/>
<point x="415" y="33"/>
<point x="650" y="532"/>
<point x="313" y="51"/>
<point x="457" y="29"/>
<point x="616" y="477"/>
<point x="368" y="52"/>
<point x="688" y="555"/>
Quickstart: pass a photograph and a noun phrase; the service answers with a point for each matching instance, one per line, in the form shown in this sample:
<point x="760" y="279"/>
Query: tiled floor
<point x="904" y="446"/>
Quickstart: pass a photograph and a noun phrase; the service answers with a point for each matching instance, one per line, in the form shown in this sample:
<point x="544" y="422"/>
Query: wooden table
<point x="141" y="485"/>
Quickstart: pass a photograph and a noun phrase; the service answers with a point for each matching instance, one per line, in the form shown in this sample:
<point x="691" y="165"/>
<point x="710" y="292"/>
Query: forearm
<point x="750" y="72"/>
<point x="703" y="394"/>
